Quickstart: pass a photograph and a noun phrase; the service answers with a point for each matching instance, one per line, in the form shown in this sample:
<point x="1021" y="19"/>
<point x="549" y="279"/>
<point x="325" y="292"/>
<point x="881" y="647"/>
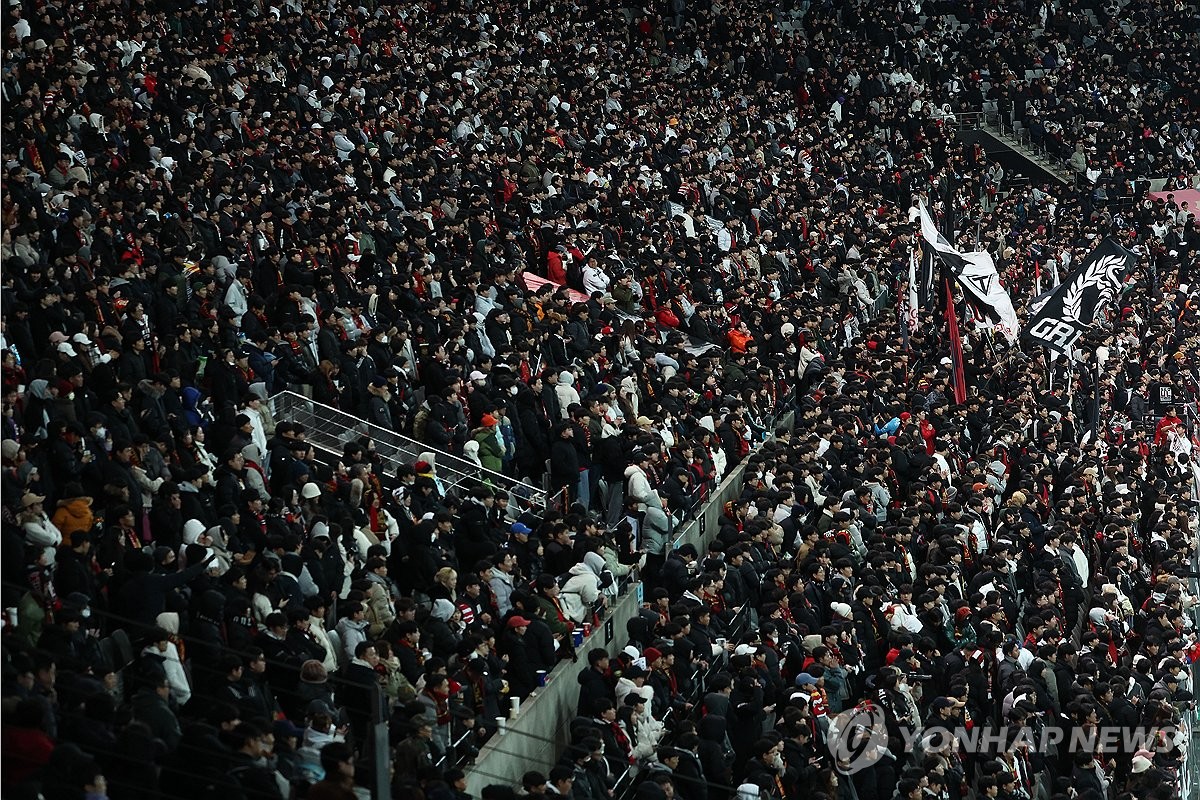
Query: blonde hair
<point x="446" y="576"/>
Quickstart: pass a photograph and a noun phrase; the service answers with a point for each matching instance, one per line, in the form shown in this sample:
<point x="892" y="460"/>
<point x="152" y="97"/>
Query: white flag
<point x="976" y="273"/>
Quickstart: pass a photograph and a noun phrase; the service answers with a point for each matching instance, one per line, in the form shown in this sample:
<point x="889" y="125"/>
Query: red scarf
<point x="441" y="702"/>
<point x="622" y="740"/>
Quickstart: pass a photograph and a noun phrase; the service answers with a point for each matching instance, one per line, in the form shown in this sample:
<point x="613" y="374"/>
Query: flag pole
<point x="956" y="353"/>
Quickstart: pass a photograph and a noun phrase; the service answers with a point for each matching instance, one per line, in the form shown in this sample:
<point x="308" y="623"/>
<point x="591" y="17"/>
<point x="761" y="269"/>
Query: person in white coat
<point x="715" y="452"/>
<point x="582" y="589"/>
<point x="162" y="648"/>
<point x="236" y="299"/>
<point x="633" y="681"/>
<point x="353" y="631"/>
<point x="39" y="530"/>
<point x="317" y="609"/>
<point x="595" y="279"/>
<point x="566" y="391"/>
<point x="656" y="526"/>
<point x="258" y="430"/>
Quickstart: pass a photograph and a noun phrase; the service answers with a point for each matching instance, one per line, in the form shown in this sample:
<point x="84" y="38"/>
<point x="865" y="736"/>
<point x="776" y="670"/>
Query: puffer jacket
<point x="74" y="515"/>
<point x="566" y="392"/>
<point x="491" y="453"/>
<point x="380" y="611"/>
<point x="582" y="588"/>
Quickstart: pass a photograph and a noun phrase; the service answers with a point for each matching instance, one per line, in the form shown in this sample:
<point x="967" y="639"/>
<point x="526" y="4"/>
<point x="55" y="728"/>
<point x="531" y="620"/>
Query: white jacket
<point x="566" y="392"/>
<point x="639" y="487"/>
<point x="626" y="687"/>
<point x="647" y="733"/>
<point x="181" y="690"/>
<point x="581" y="590"/>
<point x="181" y="687"/>
<point x="720" y="461"/>
<point x="258" y="433"/>
<point x="41" y="531"/>
<point x="236" y="300"/>
<point x="352" y="634"/>
<point x="594" y="280"/>
<point x="316" y="629"/>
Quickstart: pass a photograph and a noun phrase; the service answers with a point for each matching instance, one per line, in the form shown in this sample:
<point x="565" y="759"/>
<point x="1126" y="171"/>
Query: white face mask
<point x="101" y="432"/>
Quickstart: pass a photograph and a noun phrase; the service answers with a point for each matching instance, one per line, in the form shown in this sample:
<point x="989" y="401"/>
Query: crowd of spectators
<point x="602" y="252"/>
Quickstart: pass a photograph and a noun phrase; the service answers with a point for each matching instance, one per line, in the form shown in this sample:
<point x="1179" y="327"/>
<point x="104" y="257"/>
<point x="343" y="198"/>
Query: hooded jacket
<point x="501" y="584"/>
<point x="352" y="633"/>
<point x="656" y="524"/>
<point x="582" y="588"/>
<point x="565" y="391"/>
<point x="74" y="515"/>
<point x="438" y="635"/>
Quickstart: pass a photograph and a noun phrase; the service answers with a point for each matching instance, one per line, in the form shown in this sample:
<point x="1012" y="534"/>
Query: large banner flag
<point x="976" y="273"/>
<point x="912" y="301"/>
<point x="1081" y="300"/>
<point x="956" y="351"/>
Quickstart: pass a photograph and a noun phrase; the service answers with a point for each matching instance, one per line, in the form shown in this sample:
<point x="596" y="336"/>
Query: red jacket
<point x="555" y="271"/>
<point x="1165" y="426"/>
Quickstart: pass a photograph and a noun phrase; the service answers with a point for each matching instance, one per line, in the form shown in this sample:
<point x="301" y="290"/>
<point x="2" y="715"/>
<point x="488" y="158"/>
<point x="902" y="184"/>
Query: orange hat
<point x="489" y="421"/>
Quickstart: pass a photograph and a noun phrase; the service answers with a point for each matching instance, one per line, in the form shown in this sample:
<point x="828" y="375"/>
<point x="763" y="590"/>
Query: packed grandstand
<point x="360" y="359"/>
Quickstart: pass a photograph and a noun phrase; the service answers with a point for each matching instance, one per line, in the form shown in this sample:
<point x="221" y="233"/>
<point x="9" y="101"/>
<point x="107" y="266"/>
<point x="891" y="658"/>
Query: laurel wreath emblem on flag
<point x="1102" y="272"/>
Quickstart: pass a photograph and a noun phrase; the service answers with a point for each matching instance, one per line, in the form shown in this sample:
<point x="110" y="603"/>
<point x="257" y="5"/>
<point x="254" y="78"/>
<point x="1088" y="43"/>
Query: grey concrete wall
<point x="539" y="734"/>
<point x="541" y="730"/>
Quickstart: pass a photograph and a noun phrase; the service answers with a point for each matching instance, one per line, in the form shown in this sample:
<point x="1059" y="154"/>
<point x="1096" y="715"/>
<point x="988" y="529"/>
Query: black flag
<point x="1082" y="298"/>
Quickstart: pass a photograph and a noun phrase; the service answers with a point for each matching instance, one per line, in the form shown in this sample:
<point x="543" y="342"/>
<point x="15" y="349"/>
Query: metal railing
<point x="331" y="429"/>
<point x="1189" y="770"/>
<point x="626" y="784"/>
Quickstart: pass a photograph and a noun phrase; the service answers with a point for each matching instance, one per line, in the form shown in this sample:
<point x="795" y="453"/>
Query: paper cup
<point x="541" y="676"/>
<point x="516" y="706"/>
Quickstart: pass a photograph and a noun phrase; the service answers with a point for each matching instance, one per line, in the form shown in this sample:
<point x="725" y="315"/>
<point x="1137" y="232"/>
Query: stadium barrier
<point x="535" y="738"/>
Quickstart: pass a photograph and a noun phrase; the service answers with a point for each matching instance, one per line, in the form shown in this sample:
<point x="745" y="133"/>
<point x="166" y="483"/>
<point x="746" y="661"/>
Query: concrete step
<point x="1044" y="162"/>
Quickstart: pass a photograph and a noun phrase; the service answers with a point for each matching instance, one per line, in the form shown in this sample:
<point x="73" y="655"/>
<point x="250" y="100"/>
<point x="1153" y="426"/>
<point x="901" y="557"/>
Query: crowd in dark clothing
<point x="602" y="253"/>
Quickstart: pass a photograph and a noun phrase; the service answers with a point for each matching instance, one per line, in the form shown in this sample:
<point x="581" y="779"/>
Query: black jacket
<point x="593" y="686"/>
<point x="564" y="463"/>
<point x="522" y="678"/>
<point x="473" y="540"/>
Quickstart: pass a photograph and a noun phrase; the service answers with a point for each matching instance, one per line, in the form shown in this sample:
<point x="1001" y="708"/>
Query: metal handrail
<point x="700" y="680"/>
<point x="331" y="429"/>
<point x="1189" y="772"/>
